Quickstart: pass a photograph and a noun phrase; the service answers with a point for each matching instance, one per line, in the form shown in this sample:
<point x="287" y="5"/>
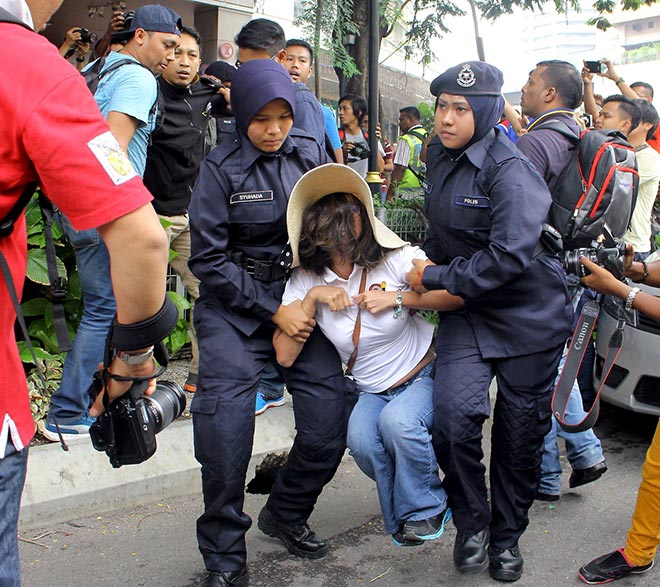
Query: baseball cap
<point x="153" y="18"/>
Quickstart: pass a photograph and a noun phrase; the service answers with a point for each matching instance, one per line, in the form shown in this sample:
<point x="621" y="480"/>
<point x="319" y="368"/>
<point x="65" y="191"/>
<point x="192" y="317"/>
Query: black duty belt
<point x="260" y="269"/>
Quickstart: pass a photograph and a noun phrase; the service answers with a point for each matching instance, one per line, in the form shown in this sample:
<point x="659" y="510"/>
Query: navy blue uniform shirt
<point x="485" y="211"/>
<point x="239" y="206"/>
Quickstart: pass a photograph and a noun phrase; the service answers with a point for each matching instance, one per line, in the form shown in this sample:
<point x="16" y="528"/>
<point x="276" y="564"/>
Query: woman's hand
<point x="603" y="281"/>
<point x="376" y="301"/>
<point x="294" y="322"/>
<point x="336" y="298"/>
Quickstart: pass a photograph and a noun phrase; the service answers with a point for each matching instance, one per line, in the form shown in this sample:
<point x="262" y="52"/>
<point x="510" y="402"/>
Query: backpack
<point x="597" y="188"/>
<point x="93" y="76"/>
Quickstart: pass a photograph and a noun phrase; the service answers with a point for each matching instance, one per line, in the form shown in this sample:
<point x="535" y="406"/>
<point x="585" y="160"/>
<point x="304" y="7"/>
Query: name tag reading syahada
<point x="247" y="197"/>
<point x="472" y="201"/>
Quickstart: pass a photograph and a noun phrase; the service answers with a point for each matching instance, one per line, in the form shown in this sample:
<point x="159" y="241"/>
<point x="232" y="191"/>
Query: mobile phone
<point x="595" y="66"/>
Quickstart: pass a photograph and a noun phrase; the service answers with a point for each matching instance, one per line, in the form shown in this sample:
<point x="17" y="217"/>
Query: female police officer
<point x="239" y="237"/>
<point x="486" y="206"/>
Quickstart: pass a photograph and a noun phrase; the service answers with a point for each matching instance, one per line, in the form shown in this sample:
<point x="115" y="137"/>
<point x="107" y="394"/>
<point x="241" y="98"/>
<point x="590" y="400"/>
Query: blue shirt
<point x="131" y="90"/>
<point x="331" y="127"/>
<point x="309" y="116"/>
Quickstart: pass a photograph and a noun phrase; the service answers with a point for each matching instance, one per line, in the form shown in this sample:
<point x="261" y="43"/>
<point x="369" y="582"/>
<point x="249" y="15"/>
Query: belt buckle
<point x="262" y="271"/>
<point x="249" y="265"/>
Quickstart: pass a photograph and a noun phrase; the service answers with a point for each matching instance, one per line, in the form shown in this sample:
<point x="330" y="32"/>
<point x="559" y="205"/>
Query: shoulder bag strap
<point x="358" y="327"/>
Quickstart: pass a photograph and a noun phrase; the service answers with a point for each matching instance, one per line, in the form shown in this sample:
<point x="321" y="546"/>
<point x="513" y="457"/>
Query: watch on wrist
<point x="631" y="297"/>
<point x="133" y="358"/>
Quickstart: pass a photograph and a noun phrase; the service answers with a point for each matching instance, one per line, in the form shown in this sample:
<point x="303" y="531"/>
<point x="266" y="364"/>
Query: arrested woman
<point x="486" y="206"/>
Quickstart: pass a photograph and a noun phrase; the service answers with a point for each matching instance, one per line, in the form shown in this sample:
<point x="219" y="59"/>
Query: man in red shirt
<point x="90" y="179"/>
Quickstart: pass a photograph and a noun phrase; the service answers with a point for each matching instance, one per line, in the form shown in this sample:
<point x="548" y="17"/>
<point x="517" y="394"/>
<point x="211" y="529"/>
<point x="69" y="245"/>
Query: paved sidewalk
<point x="64" y="485"/>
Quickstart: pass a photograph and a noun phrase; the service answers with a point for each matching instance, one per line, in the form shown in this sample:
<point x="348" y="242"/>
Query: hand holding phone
<point x="595" y="66"/>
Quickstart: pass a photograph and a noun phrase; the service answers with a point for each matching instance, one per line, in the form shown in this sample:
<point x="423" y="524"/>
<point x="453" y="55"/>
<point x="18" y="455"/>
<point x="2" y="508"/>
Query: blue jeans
<point x="389" y="436"/>
<point x="583" y="449"/>
<point x="12" y="478"/>
<point x="71" y="401"/>
<point x="271" y="385"/>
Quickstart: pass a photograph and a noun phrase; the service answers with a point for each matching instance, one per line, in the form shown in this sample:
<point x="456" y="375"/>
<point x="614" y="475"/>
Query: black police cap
<point x="470" y="78"/>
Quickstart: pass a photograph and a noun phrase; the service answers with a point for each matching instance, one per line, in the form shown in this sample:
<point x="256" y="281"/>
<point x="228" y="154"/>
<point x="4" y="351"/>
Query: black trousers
<point x="223" y="423"/>
<point x="521" y="419"/>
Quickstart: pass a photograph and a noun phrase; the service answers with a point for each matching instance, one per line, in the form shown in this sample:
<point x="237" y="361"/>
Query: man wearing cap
<point x="126" y="97"/>
<point x="486" y="206"/>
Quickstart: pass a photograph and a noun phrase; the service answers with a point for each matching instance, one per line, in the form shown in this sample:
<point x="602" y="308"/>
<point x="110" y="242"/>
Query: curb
<point x="61" y="485"/>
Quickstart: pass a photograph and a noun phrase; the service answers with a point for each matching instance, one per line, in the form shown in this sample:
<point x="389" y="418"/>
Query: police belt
<point x="260" y="269"/>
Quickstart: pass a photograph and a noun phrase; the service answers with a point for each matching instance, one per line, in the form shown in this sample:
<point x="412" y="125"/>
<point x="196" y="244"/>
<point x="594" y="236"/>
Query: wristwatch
<point x="133" y="359"/>
<point x="631" y="297"/>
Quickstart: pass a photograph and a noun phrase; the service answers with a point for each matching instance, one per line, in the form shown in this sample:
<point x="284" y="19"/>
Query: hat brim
<point x="329" y="179"/>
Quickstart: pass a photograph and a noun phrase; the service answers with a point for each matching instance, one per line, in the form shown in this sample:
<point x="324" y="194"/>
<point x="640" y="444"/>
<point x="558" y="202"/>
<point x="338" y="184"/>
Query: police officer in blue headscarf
<point x="239" y="253"/>
<point x="486" y="206"/>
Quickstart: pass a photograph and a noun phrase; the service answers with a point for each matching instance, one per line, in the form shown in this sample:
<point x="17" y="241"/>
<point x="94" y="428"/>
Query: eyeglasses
<point x="238" y="62"/>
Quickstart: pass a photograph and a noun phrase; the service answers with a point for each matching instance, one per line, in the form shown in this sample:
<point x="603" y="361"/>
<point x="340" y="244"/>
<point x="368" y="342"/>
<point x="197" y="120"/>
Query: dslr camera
<point x="360" y="151"/>
<point x="86" y="36"/>
<point x="609" y="253"/>
<point x="127" y="430"/>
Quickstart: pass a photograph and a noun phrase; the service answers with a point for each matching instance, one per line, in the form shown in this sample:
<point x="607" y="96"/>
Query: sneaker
<point x="72" y="431"/>
<point x="610" y="567"/>
<point x="415" y="532"/>
<point x="263" y="403"/>
<point x="191" y="383"/>
<point x="542" y="496"/>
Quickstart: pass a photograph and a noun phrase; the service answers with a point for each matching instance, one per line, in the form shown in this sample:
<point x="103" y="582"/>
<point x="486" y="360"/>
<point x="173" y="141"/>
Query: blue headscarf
<point x="255" y="84"/>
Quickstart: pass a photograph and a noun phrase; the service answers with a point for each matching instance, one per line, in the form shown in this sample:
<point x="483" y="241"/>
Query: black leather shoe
<point x="227" y="578"/>
<point x="506" y="564"/>
<point x="470" y="552"/>
<point x="298" y="538"/>
<point x="584" y="476"/>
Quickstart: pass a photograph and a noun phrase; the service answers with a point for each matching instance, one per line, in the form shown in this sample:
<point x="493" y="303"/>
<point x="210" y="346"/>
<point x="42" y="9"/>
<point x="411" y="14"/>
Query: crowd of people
<point x="297" y="287"/>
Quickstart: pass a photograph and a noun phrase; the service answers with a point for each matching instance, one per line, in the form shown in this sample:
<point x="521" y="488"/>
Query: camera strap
<point x="357" y="328"/>
<point x="576" y="350"/>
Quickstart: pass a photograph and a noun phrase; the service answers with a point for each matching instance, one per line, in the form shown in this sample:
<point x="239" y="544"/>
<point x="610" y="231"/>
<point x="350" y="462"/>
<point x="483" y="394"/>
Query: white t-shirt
<point x="640" y="232"/>
<point x="389" y="348"/>
<point x="360" y="165"/>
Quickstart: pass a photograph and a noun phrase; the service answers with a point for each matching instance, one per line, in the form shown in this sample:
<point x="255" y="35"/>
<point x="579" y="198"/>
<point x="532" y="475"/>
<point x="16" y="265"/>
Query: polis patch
<point x="248" y="197"/>
<point x="472" y="201"/>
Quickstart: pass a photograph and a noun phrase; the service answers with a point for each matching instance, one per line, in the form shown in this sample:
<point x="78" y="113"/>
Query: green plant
<point x="179" y="336"/>
<point x="40" y="391"/>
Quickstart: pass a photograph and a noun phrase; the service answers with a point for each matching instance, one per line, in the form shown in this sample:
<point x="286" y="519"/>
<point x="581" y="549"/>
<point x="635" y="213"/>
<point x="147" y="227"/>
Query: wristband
<point x="398" y="308"/>
<point x="135" y="359"/>
<point x="646" y="271"/>
<point x="619" y="81"/>
<point x="140" y="335"/>
<point x="80" y="59"/>
<point x="631" y="297"/>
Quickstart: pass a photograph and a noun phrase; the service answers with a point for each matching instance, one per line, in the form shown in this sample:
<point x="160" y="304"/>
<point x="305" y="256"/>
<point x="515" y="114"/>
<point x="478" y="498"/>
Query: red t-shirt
<point x="51" y="131"/>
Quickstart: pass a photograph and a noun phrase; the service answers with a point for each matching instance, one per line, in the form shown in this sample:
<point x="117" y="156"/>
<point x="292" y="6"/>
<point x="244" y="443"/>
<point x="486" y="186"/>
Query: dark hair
<point x="566" y="79"/>
<point x="358" y="104"/>
<point x="649" y="87"/>
<point x="627" y="106"/>
<point x="410" y="112"/>
<point x="301" y="43"/>
<point x="261" y="34"/>
<point x="328" y="225"/>
<point x="648" y="114"/>
<point x="193" y="32"/>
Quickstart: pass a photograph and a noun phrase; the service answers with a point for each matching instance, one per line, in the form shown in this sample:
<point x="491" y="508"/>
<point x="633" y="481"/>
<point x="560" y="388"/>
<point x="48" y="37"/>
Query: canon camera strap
<point x="581" y="337"/>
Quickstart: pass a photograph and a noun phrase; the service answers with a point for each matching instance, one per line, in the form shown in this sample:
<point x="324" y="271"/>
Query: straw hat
<point x="330" y="179"/>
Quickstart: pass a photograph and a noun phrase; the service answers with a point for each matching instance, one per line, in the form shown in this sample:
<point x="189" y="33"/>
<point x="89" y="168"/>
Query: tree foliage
<point x="422" y="20"/>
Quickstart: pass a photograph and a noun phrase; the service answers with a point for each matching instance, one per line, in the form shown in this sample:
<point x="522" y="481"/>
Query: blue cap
<point x="255" y="84"/>
<point x="470" y="78"/>
<point x="153" y="18"/>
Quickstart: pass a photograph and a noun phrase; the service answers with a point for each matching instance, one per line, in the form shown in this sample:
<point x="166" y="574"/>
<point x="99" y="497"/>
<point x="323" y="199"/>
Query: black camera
<point x="127" y="430"/>
<point x="360" y="151"/>
<point x="609" y="253"/>
<point x="86" y="36"/>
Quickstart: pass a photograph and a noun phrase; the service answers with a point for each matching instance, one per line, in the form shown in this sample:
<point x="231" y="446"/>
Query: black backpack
<point x="93" y="76"/>
<point x="598" y="187"/>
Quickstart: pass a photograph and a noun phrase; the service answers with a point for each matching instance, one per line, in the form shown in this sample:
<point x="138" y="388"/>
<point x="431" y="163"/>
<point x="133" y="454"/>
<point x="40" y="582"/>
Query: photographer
<point x="644" y="535"/>
<point x="37" y="111"/>
<point x="355" y="142"/>
<point x="77" y="42"/>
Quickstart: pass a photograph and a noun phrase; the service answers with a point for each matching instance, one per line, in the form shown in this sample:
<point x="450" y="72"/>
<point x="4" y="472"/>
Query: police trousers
<point x="231" y="364"/>
<point x="521" y="419"/>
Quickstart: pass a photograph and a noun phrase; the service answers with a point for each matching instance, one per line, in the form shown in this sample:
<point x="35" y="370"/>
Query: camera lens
<point x="165" y="404"/>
